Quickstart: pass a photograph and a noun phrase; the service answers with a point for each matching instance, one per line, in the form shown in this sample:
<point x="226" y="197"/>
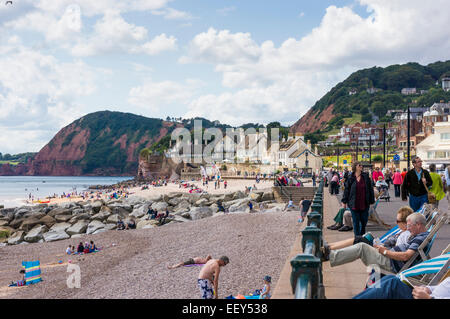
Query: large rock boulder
<point x="78" y="211"/>
<point x="144" y="224"/>
<point x="200" y="212"/>
<point x="59" y="211"/>
<point x="240" y="205"/>
<point x="94" y="226"/>
<point x="47" y="221"/>
<point x="202" y="202"/>
<point x="22" y="211"/>
<point x="78" y="228"/>
<point x="4" y="223"/>
<point x="97" y="205"/>
<point x="16" y="238"/>
<point x="182" y="207"/>
<point x="256" y="196"/>
<point x="160" y="206"/>
<point x="122" y="212"/>
<point x="63" y="218"/>
<point x="103" y="214"/>
<point x="238" y="195"/>
<point x="174" y="201"/>
<point x="60" y="227"/>
<point x="53" y="235"/>
<point x="36" y="234"/>
<point x="268" y="195"/>
<point x="29" y="223"/>
<point x="76" y="218"/>
<point x="122" y="206"/>
<point x="139" y="211"/>
<point x="113" y="219"/>
<point x="16" y="222"/>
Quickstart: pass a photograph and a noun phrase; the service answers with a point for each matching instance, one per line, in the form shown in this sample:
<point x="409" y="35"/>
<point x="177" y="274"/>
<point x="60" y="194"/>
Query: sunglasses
<point x="400" y="221"/>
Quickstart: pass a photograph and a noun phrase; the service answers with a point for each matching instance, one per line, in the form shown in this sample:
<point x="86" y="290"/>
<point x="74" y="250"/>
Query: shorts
<point x="206" y="288"/>
<point x="190" y="261"/>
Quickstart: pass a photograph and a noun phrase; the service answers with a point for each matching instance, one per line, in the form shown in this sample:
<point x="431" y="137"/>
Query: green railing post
<point x="314" y="217"/>
<point x="305" y="276"/>
<point x="316" y="207"/>
<point x="313" y="235"/>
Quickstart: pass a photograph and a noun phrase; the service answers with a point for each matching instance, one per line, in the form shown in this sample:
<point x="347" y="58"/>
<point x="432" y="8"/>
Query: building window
<point x="430" y="155"/>
<point x="445" y="136"/>
<point x="441" y="154"/>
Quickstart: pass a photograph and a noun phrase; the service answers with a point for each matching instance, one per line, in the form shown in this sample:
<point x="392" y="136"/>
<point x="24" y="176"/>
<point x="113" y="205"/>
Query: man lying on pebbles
<point x="192" y="261"/>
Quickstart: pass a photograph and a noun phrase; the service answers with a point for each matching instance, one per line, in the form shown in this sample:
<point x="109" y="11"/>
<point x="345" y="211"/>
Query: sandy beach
<point x="233" y="185"/>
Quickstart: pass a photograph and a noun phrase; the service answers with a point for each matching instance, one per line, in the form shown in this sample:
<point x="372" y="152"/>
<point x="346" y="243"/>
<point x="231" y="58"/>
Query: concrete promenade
<point x="345" y="281"/>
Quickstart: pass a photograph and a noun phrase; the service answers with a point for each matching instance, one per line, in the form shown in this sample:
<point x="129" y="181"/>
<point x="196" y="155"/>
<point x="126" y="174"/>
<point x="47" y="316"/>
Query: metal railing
<point x="306" y="275"/>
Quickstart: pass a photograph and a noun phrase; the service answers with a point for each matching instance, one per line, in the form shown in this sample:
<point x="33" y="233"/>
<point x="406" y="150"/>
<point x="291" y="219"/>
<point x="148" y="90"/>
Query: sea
<point x="15" y="190"/>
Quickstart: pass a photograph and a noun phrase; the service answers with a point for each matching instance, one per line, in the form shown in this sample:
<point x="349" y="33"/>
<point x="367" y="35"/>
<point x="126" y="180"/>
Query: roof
<point x="286" y="145"/>
<point x="300" y="152"/>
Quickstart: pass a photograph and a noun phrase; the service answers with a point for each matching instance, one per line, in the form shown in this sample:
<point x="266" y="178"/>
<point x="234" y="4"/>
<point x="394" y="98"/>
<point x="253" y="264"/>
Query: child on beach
<point x="80" y="248"/>
<point x="69" y="250"/>
<point x="19" y="283"/>
<point x="265" y="291"/>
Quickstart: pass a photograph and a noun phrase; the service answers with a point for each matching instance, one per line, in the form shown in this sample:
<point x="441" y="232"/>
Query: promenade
<point x="345" y="281"/>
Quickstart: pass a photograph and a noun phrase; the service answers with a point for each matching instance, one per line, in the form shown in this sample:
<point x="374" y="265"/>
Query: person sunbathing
<point x="192" y="261"/>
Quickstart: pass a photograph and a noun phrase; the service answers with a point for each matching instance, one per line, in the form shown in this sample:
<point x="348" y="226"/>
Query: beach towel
<point x="32" y="271"/>
<point x="191" y="265"/>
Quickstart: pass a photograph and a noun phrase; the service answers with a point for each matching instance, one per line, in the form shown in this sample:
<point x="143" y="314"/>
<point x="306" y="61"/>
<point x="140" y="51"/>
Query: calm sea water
<point x="15" y="189"/>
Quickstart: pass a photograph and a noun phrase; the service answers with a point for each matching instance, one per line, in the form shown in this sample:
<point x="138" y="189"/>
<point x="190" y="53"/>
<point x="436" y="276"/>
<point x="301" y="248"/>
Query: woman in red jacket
<point x="398" y="180"/>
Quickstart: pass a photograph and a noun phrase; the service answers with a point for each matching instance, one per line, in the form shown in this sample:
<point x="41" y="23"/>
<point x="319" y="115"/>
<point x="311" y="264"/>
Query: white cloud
<point x="156" y="96"/>
<point x="281" y="83"/>
<point x="39" y="95"/>
<point x="113" y="34"/>
<point x="173" y="14"/>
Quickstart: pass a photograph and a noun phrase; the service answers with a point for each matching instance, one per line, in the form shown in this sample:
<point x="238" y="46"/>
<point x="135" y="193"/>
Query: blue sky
<point x="228" y="60"/>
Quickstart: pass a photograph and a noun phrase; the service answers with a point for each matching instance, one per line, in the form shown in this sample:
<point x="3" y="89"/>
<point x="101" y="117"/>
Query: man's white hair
<point x="417" y="218"/>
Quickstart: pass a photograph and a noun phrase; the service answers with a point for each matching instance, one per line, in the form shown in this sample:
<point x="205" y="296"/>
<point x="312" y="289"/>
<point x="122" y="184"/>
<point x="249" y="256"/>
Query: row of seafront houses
<point x="429" y="133"/>
<point x="254" y="149"/>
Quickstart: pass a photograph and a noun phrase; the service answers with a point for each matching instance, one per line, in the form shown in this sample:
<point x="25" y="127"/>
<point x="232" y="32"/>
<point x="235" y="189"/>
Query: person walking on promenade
<point x="358" y="196"/>
<point x="398" y="180"/>
<point x="376" y="173"/>
<point x="414" y="185"/>
<point x="208" y="278"/>
<point x="438" y="188"/>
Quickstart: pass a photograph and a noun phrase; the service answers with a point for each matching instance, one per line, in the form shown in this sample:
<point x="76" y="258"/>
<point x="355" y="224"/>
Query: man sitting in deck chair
<point x="389" y="260"/>
<point x="396" y="287"/>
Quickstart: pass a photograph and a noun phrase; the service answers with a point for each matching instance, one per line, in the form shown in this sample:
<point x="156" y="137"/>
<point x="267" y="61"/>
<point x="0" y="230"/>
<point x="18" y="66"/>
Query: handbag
<point x="431" y="196"/>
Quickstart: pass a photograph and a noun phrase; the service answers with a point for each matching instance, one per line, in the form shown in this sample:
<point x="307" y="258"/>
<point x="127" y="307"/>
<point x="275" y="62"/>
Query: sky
<point x="236" y="61"/>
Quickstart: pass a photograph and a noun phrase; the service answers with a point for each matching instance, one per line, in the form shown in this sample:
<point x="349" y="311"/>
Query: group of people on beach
<point x="82" y="249"/>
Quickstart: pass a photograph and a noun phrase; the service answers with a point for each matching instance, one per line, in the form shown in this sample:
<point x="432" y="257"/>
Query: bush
<point x="377" y="158"/>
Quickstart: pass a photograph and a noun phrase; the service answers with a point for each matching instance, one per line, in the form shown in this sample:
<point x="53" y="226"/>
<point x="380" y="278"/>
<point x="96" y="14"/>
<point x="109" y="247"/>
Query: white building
<point x="446" y="84"/>
<point x="436" y="147"/>
<point x="409" y="91"/>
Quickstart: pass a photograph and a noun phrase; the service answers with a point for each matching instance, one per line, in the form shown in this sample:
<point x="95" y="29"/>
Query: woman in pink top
<point x="376" y="174"/>
<point x="398" y="180"/>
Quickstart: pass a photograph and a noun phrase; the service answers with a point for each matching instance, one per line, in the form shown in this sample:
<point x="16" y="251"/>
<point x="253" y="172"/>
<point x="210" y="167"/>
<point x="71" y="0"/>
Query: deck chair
<point x="32" y="271"/>
<point x="424" y="248"/>
<point x="429" y="272"/>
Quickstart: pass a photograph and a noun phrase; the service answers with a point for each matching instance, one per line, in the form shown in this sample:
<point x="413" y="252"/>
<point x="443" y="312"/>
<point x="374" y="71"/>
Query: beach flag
<point x="32" y="271"/>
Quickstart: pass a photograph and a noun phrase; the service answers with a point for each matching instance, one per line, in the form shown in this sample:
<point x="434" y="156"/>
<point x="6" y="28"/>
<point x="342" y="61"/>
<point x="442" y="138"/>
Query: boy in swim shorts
<point x="208" y="278"/>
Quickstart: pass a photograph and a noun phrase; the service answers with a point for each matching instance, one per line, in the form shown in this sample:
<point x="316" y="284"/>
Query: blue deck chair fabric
<point x="430" y="266"/>
<point x="32" y="271"/>
<point x="393" y="231"/>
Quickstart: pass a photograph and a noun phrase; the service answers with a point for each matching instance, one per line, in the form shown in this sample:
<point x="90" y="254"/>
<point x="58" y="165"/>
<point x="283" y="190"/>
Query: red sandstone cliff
<point x="313" y="121"/>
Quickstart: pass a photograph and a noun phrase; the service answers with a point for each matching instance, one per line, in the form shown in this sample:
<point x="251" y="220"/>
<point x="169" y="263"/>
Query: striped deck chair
<point x="429" y="272"/>
<point x="32" y="271"/>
